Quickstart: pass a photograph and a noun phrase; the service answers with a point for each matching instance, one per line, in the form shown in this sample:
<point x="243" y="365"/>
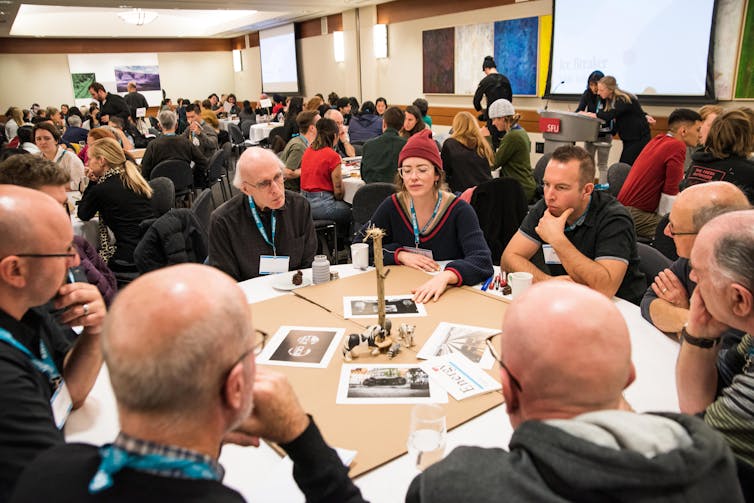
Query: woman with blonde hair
<point x="631" y="122"/>
<point x="466" y="155"/>
<point x="121" y="196"/>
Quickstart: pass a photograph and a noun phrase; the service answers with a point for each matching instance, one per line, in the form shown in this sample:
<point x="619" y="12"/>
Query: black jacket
<point x="174" y="238"/>
<point x="115" y="105"/>
<point x="494" y="86"/>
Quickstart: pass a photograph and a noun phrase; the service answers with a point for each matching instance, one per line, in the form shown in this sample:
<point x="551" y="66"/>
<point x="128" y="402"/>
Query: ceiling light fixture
<point x="138" y="17"/>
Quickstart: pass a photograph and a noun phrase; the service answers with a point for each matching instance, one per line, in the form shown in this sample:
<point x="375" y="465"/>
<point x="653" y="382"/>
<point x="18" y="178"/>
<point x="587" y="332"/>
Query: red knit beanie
<point x="421" y="145"/>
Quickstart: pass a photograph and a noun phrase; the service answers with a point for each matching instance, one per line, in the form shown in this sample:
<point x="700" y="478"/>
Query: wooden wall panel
<point x="254" y="39"/>
<point x="310" y="28"/>
<point x="408" y="10"/>
<point x="238" y="43"/>
<point x="334" y="23"/>
<point x="33" y="45"/>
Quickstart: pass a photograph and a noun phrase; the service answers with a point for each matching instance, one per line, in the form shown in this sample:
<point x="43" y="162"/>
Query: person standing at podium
<point x="592" y="103"/>
<point x="631" y="122"/>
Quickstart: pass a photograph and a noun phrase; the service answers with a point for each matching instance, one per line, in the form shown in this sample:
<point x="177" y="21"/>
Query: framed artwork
<point x="438" y="61"/>
<point x="516" y="45"/>
<point x="745" y="78"/>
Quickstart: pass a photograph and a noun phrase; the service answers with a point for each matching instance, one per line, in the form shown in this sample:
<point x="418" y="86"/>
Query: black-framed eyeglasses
<point x="499" y="360"/>
<point x="673" y="233"/>
<point x="45" y="255"/>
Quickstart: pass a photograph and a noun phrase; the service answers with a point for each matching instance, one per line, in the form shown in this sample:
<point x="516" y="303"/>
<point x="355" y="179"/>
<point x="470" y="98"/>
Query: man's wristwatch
<point x="699" y="342"/>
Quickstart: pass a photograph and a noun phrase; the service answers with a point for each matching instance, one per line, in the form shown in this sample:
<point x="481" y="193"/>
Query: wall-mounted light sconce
<point x="339" y="46"/>
<point x="379" y="37"/>
<point x="237" y="61"/>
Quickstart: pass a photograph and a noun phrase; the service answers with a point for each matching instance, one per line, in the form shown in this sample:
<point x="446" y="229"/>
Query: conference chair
<point x="651" y="262"/>
<point x="500" y="205"/>
<point x="366" y="200"/>
<point x="616" y="177"/>
<point x="327" y="239"/>
<point x="230" y="166"/>
<point x="163" y="195"/>
<point x="174" y="238"/>
<point x="182" y="177"/>
<point x="202" y="209"/>
<point x="236" y="138"/>
<point x="539" y="175"/>
<point x="217" y="171"/>
<point x="246" y="127"/>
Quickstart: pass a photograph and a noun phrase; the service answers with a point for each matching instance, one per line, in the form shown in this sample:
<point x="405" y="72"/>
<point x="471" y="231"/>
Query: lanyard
<point x="60" y="157"/>
<point x="46" y="365"/>
<point x="258" y="221"/>
<point x="415" y="223"/>
<point x="114" y="459"/>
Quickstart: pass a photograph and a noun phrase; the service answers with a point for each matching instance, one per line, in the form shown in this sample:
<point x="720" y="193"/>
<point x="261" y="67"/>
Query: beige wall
<point x="46" y="79"/>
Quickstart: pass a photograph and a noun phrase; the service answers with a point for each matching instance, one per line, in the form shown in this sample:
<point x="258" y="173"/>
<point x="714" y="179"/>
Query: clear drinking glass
<point x="426" y="438"/>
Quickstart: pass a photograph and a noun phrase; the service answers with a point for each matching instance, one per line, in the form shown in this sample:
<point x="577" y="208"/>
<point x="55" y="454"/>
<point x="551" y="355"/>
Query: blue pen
<point x="486" y="284"/>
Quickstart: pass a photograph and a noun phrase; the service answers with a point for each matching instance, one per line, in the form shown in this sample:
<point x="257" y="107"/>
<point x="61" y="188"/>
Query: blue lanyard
<point x="114" y="459"/>
<point x="415" y="223"/>
<point x="46" y="365"/>
<point x="258" y="221"/>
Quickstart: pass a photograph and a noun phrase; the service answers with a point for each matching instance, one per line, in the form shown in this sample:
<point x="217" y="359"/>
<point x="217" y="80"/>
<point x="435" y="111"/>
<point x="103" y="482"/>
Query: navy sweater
<point x="457" y="237"/>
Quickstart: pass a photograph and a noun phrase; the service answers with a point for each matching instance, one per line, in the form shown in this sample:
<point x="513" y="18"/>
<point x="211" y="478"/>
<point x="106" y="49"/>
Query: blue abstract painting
<point x="516" y="52"/>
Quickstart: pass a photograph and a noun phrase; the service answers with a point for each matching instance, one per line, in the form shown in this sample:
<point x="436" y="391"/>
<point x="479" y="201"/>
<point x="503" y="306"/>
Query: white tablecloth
<point x="259" y="132"/>
<point x="224" y="123"/>
<point x="351" y="183"/>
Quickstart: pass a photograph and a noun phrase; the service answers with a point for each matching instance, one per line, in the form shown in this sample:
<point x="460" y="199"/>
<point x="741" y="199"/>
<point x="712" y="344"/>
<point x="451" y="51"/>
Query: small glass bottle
<point x="320" y="269"/>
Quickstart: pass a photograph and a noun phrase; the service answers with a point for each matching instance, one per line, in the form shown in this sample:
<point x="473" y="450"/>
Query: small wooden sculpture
<point x="376" y="234"/>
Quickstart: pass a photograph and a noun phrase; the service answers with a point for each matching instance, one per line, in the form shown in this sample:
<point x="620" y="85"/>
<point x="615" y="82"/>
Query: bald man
<point x="176" y="405"/>
<point x="563" y="379"/>
<point x="343" y="147"/>
<point x="265" y="229"/>
<point x="721" y="385"/>
<point x="666" y="301"/>
<point x="41" y="374"/>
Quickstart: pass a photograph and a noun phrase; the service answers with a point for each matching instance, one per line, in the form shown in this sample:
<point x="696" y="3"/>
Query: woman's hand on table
<point x="432" y="289"/>
<point x="417" y="261"/>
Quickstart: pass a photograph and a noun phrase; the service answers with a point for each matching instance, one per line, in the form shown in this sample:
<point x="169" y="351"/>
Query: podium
<point x="565" y="128"/>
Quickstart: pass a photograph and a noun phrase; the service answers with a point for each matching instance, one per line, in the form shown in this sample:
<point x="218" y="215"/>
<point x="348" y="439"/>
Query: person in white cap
<point x="512" y="155"/>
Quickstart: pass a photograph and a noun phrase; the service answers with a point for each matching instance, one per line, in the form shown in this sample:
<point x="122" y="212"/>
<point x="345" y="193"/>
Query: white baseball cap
<point x="500" y="108"/>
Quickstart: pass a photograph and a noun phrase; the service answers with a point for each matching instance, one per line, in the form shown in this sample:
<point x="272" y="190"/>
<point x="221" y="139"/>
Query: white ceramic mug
<point x="360" y="255"/>
<point x="519" y="282"/>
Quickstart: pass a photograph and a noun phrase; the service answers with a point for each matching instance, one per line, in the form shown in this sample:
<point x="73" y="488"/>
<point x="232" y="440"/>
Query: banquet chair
<point x="616" y="177"/>
<point x="366" y="200"/>
<point x="500" y="205"/>
<point x="246" y="126"/>
<point x="181" y="175"/>
<point x="163" y="195"/>
<point x="217" y="171"/>
<point x="174" y="238"/>
<point x="327" y="239"/>
<point x="202" y="209"/>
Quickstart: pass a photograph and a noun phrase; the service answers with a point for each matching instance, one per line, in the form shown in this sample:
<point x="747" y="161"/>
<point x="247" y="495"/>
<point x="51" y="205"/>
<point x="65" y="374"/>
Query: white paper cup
<point x="519" y="282"/>
<point x="360" y="255"/>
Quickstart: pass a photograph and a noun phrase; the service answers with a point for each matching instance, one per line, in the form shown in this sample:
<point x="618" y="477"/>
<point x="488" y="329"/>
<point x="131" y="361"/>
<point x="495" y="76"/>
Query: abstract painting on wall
<point x="438" y="59"/>
<point x="473" y="43"/>
<point x="745" y="80"/>
<point x="516" y="53"/>
<point x="147" y="78"/>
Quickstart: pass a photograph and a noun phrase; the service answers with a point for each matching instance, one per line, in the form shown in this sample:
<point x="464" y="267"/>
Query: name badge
<point x="551" y="256"/>
<point x="61" y="404"/>
<point x="419" y="251"/>
<point x="271" y="264"/>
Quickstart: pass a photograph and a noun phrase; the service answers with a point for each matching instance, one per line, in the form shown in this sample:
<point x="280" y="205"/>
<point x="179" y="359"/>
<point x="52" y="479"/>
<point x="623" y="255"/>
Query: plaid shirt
<point x="144" y="447"/>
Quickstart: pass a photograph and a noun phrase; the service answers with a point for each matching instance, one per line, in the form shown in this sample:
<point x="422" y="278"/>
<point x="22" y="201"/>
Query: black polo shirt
<point x="27" y="426"/>
<point x="607" y="232"/>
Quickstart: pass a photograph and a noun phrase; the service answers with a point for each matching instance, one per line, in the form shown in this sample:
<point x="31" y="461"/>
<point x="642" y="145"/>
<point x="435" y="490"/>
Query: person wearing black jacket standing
<point x="492" y="87"/>
<point x="109" y="103"/>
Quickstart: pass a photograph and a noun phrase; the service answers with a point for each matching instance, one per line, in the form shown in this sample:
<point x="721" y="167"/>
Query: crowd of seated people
<point x="585" y="235"/>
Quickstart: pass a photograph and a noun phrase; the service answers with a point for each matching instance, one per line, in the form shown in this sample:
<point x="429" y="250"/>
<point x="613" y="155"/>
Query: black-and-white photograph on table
<point x="301" y="346"/>
<point x="387" y="384"/>
<point x="465" y="339"/>
<point x="396" y="306"/>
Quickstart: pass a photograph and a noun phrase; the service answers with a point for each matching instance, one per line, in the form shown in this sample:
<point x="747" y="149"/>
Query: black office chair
<point x="246" y="127"/>
<point x="217" y="167"/>
<point x="163" y="195"/>
<point x="500" y="205"/>
<point x="651" y="262"/>
<point x="230" y="166"/>
<point x="202" y="210"/>
<point x="182" y="177"/>
<point x="616" y="177"/>
<point x="366" y="200"/>
<point x="539" y="175"/>
<point x="174" y="238"/>
<point x="327" y="239"/>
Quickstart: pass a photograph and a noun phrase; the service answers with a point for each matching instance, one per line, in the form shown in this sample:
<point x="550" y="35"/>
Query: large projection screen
<point x="655" y="48"/>
<point x="277" y="47"/>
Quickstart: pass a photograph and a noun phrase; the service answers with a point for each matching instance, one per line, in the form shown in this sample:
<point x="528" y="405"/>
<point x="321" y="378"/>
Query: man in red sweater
<point x="658" y="170"/>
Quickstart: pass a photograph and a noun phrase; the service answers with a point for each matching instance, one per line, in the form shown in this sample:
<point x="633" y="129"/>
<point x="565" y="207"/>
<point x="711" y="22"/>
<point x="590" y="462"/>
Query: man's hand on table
<point x="668" y="288"/>
<point x="277" y="415"/>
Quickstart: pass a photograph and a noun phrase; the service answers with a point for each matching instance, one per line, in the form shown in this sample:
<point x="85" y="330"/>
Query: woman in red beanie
<point x="424" y="224"/>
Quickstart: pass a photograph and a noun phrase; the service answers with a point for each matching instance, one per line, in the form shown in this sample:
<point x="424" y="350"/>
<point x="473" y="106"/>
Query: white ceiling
<point x="176" y="18"/>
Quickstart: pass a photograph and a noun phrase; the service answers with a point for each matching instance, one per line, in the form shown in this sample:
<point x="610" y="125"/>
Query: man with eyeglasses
<point x="42" y="374"/>
<point x="573" y="437"/>
<point x="666" y="301"/>
<point x="185" y="381"/>
<point x="265" y="229"/>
